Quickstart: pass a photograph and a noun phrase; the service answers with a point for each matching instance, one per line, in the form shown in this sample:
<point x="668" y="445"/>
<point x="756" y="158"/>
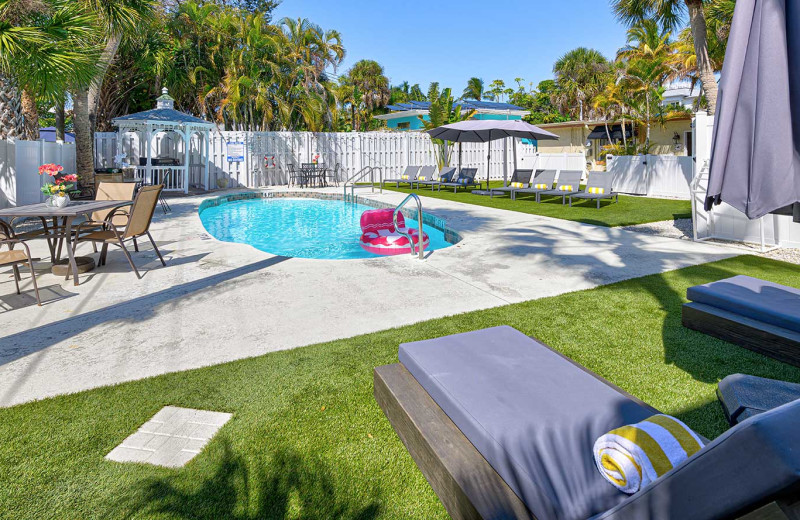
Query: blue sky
<point x="420" y="41"/>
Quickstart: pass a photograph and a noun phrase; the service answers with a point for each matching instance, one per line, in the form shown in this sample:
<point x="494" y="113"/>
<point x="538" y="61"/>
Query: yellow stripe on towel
<point x="596" y="191"/>
<point x="542" y="186"/>
<point x="421" y="178"/>
<point x="566" y="187"/>
<point x="633" y="456"/>
<point x="517" y="185"/>
<point x="404" y="177"/>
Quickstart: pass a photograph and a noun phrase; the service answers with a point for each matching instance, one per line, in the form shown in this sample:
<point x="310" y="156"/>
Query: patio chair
<point x="568" y="183"/>
<point x="408" y="176"/>
<point x="137" y="225"/>
<point x="110" y="191"/>
<point x="520" y="179"/>
<point x="446" y="175"/>
<point x="543" y="181"/>
<point x="426" y="174"/>
<point x="502" y="426"/>
<point x="599" y="186"/>
<point x="14" y="257"/>
<point x="464" y="179"/>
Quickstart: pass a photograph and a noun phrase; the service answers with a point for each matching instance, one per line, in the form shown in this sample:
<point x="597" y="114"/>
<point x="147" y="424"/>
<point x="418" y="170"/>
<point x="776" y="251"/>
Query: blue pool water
<point x="300" y="228"/>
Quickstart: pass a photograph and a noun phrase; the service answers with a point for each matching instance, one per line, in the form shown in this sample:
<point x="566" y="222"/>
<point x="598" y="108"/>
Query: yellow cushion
<point x="541" y="186"/>
<point x="566" y="187"/>
<point x="517" y="185"/>
<point x="596" y="191"/>
<point x="421" y="178"/>
<point x="404" y="177"/>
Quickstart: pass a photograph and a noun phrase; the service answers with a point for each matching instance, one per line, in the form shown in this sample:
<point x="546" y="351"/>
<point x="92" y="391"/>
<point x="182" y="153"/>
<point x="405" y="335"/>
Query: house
<point x="405" y="116"/>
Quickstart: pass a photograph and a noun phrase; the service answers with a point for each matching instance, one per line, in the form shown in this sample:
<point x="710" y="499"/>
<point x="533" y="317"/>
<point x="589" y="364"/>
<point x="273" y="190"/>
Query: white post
<point x="148" y="150"/>
<point x="505" y="163"/>
<point x="206" y="139"/>
<point x="186" y="147"/>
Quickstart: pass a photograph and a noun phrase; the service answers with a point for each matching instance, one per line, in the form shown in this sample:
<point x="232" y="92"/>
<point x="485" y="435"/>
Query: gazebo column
<point x="207" y="146"/>
<point x="186" y="146"/>
<point x="148" y="150"/>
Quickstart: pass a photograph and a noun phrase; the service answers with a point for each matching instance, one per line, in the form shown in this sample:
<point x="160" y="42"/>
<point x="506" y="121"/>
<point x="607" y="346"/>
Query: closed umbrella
<point x="755" y="159"/>
<point x="484" y="131"/>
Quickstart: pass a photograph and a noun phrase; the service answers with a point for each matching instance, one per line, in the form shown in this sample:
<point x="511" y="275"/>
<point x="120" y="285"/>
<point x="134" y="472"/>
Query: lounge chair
<point x="743" y="396"/>
<point x="599" y="186"/>
<point x="568" y="183"/>
<point x="543" y="181"/>
<point x="137" y="224"/>
<point x="14" y="257"/>
<point x="465" y="178"/>
<point x="426" y="173"/>
<point x="444" y="176"/>
<point x="503" y="427"/>
<point x="520" y="179"/>
<point x="408" y="176"/>
<point x="755" y="314"/>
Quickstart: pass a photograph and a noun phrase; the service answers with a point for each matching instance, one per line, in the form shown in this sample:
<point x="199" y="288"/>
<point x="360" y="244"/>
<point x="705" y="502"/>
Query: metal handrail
<point x="421" y="242"/>
<point x="360" y="174"/>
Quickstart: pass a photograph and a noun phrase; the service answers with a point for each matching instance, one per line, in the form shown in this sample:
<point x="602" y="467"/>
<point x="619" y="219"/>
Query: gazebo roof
<point x="164" y="113"/>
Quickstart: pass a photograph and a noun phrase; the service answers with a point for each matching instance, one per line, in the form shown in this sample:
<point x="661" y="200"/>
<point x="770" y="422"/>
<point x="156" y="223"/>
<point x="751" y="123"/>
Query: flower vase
<point x="60" y="201"/>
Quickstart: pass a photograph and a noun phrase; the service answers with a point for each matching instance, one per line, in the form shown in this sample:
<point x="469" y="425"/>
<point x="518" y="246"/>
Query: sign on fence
<point x="236" y="152"/>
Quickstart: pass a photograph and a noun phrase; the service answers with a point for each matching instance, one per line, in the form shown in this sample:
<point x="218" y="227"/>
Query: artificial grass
<point x="307" y="439"/>
<point x="628" y="211"/>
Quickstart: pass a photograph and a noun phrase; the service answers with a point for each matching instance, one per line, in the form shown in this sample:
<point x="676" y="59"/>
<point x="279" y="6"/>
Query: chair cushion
<point x="743" y="396"/>
<point x="752" y="298"/>
<point x="754" y="462"/>
<point x="14" y="256"/>
<point x="533" y="414"/>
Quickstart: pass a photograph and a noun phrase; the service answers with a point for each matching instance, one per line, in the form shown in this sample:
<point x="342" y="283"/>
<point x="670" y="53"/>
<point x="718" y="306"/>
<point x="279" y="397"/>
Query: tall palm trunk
<point x="85" y="105"/>
<point x="697" y="20"/>
<point x="61" y="119"/>
<point x="30" y="114"/>
<point x="12" y="124"/>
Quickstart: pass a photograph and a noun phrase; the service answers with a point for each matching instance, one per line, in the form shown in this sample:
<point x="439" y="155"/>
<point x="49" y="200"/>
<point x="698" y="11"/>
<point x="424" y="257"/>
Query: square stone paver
<point x="171" y="438"/>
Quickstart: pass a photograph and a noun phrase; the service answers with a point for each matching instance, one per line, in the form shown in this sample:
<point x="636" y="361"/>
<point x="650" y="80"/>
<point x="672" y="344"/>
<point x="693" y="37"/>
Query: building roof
<point x="162" y="115"/>
<point x="468" y="104"/>
<point x="48" y="133"/>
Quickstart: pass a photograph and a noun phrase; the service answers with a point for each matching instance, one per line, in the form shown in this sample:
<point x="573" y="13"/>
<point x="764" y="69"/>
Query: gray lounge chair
<point x="522" y="178"/>
<point x="445" y="175"/>
<point x="543" y="177"/>
<point x="743" y="396"/>
<point x="426" y="174"/>
<point x="465" y="178"/>
<point x="408" y="176"/>
<point x="502" y="426"/>
<point x="568" y="183"/>
<point x="599" y="186"/>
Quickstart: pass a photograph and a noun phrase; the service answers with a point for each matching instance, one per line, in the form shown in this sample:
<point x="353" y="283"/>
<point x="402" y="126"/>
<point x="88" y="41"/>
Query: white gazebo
<point x="162" y="159"/>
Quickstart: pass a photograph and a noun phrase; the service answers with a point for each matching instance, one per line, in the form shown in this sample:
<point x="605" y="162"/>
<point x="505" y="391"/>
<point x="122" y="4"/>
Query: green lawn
<point x="307" y="439"/>
<point x="628" y="211"/>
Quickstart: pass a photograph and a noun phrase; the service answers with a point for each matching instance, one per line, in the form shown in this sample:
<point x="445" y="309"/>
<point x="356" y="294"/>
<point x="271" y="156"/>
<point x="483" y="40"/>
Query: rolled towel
<point x="633" y="456"/>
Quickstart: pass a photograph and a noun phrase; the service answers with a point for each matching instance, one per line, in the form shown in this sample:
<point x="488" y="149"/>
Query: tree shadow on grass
<point x="284" y="485"/>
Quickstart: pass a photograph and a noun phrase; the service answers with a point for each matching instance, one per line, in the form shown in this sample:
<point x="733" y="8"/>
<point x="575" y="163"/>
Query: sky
<point x="421" y="41"/>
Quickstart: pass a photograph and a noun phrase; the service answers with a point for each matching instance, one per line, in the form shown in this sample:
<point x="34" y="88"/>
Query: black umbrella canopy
<point x="755" y="158"/>
<point x="482" y="131"/>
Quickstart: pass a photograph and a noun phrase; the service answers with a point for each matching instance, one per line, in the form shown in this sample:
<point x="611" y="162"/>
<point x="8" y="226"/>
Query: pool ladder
<point x="420" y="242"/>
<point x="359" y="175"/>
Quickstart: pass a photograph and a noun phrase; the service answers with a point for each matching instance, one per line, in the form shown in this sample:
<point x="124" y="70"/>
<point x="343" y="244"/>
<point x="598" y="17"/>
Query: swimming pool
<point x="300" y="228"/>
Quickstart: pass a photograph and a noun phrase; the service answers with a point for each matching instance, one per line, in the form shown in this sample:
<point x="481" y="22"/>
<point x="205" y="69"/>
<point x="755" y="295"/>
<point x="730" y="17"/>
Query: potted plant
<point x="58" y="190"/>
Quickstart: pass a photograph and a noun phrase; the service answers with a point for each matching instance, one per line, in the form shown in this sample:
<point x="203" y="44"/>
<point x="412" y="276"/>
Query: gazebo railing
<point x="171" y="176"/>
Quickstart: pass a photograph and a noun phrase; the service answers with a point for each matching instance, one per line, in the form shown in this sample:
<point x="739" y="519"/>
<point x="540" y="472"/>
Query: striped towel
<point x="596" y="191"/>
<point x="421" y="178"/>
<point x="404" y="177"/>
<point x="633" y="456"/>
<point x="542" y="186"/>
<point x="517" y="185"/>
<point x="566" y="187"/>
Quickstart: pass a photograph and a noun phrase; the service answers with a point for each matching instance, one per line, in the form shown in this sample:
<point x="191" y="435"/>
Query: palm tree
<point x="670" y="14"/>
<point x="580" y="75"/>
<point x="44" y="48"/>
<point x="369" y="81"/>
<point x="443" y="110"/>
<point x="474" y="89"/>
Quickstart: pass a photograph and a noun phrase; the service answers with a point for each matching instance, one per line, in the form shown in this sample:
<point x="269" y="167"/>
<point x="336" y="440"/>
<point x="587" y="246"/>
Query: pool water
<point x="300" y="228"/>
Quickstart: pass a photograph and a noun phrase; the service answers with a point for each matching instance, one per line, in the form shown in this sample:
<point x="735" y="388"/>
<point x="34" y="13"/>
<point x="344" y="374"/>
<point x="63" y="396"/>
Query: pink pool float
<point x="381" y="238"/>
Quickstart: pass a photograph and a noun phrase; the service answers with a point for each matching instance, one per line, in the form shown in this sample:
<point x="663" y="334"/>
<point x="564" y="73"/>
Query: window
<point x="404" y="126"/>
<point x="687" y="140"/>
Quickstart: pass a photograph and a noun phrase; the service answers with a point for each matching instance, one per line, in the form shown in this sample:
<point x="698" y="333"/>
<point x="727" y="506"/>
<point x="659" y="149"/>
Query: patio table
<point x="68" y="214"/>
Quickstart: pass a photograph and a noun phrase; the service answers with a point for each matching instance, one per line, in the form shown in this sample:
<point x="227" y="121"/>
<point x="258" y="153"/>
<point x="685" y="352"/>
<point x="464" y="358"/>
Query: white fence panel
<point x="669" y="176"/>
<point x="8" y="177"/>
<point x="20" y="182"/>
<point x="630" y="173"/>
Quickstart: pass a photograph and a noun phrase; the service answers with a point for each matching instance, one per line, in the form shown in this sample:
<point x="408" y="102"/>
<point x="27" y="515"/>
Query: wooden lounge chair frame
<point x="466" y="484"/>
<point x="764" y="338"/>
<point x="13" y="257"/>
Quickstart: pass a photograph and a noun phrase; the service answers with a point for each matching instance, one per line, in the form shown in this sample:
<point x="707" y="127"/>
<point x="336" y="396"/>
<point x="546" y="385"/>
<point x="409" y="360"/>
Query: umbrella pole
<point x="459" y="156"/>
<point x="488" y="161"/>
<point x="505" y="162"/>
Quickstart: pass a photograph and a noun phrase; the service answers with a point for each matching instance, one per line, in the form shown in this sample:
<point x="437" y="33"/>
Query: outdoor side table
<point x="68" y="214"/>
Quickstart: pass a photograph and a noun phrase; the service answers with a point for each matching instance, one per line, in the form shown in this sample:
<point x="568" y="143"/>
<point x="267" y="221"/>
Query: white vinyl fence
<point x="724" y="221"/>
<point x="652" y="175"/>
<point x="268" y="154"/>
<point x="20" y="182"/>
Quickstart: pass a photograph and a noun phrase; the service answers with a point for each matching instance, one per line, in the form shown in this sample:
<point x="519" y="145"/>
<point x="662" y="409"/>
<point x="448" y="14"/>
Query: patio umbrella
<point x="484" y="131"/>
<point x="755" y="159"/>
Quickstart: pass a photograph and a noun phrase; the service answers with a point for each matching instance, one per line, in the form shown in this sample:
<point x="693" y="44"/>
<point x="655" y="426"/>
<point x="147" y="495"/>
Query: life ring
<point x="381" y="238"/>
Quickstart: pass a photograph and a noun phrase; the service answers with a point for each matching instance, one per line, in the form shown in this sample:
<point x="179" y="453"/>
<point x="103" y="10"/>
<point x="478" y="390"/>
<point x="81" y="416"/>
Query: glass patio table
<point x="67" y="214"/>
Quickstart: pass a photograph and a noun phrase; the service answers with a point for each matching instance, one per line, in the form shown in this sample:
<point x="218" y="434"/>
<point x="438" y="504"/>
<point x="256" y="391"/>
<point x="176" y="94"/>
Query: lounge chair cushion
<point x="533" y="414"/>
<point x="753" y="462"/>
<point x="744" y="396"/>
<point x="752" y="298"/>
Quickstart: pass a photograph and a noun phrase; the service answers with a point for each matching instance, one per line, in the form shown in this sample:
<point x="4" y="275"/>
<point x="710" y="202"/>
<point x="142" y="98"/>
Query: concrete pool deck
<point x="217" y="301"/>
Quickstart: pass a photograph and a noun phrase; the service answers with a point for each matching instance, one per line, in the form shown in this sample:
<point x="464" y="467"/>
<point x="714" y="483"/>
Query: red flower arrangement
<point x="50" y="169"/>
<point x="61" y="185"/>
